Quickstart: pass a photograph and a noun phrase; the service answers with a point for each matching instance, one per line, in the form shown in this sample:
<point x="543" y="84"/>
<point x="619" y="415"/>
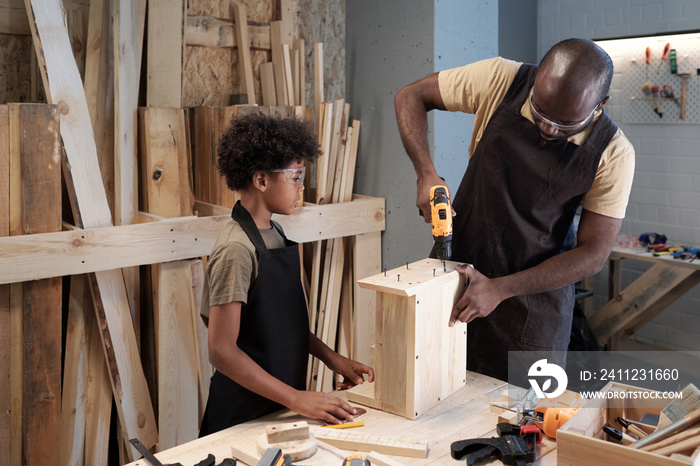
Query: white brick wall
<point x="666" y="191"/>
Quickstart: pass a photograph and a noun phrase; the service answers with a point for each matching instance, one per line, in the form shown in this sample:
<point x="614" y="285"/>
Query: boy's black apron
<point x="274" y="332"/>
<point x="515" y="207"/>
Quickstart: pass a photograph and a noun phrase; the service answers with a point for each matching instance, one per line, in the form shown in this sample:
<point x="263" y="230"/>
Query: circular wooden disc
<point x="297" y="449"/>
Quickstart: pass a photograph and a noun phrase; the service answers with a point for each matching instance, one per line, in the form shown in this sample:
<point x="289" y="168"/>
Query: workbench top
<point x="463" y="415"/>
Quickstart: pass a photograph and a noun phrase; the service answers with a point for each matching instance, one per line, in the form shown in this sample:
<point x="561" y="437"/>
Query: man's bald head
<point x="576" y="64"/>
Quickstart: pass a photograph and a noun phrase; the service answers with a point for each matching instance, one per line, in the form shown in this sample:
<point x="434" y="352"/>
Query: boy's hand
<point x="319" y="405"/>
<point x="352" y="372"/>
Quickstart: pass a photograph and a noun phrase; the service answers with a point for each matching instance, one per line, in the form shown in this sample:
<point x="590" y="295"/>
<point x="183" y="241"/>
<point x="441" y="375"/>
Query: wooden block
<point x="267" y="81"/>
<point x="369" y="442"/>
<point x="166" y="32"/>
<point x="297" y="450"/>
<point x="420" y="355"/>
<point x="287" y="432"/>
<point x="245" y="65"/>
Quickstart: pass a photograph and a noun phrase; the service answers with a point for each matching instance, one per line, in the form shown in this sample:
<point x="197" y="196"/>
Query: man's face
<point x="558" y="112"/>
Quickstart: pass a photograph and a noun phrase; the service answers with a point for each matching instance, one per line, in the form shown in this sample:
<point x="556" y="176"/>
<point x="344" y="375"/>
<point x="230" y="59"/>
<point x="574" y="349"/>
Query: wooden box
<point x="418" y="359"/>
<point x="582" y="442"/>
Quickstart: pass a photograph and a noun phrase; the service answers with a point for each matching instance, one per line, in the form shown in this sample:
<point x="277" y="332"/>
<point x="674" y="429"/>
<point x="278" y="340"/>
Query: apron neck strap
<point x="245" y="220"/>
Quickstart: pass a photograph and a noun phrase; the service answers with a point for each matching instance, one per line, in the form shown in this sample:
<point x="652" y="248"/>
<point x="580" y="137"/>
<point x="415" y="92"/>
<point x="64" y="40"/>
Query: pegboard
<point x="632" y="71"/>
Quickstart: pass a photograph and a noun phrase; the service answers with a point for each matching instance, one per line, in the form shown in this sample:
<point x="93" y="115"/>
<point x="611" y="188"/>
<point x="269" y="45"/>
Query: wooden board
<point x="166" y="35"/>
<point x="75" y="376"/>
<point x="350" y="440"/>
<point x="129" y="18"/>
<point x="641" y="301"/>
<point x="408" y="281"/>
<point x="98" y="403"/>
<point x="278" y="62"/>
<point x="318" y="83"/>
<point x="5" y="320"/>
<point x="178" y="412"/>
<point x="267" y="78"/>
<point x="208" y="31"/>
<point x="245" y="65"/>
<point x="34" y="142"/>
<point x="204" y="367"/>
<point x="165" y="162"/>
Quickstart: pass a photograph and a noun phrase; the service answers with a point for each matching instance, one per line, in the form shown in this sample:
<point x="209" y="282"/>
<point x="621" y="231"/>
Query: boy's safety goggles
<point x="292" y="175"/>
<point x="559" y="126"/>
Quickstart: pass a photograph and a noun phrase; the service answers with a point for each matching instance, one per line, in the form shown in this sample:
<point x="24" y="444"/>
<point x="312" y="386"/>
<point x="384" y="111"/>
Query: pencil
<point x="347" y="425"/>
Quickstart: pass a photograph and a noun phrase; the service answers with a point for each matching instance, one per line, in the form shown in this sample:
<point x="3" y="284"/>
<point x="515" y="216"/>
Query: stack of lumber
<point x="331" y="285"/>
<point x="131" y="339"/>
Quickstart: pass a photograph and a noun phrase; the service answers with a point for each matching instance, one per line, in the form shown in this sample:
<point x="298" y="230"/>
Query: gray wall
<point x="388" y="45"/>
<point x="517" y="30"/>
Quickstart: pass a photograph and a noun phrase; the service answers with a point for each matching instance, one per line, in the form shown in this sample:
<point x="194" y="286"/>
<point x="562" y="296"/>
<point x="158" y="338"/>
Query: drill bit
<point x="444" y="266"/>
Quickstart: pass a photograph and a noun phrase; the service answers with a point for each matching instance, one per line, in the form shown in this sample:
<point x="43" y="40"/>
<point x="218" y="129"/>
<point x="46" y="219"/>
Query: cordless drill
<point x="441" y="219"/>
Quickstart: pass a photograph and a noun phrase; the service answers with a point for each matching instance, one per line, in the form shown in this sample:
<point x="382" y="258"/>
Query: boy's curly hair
<point x="258" y="142"/>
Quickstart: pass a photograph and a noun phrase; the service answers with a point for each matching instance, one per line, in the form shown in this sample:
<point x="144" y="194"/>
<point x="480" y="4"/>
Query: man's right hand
<point x="423" y="194"/>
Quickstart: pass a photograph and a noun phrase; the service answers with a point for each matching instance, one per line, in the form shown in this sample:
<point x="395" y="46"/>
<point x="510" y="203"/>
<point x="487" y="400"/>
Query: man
<point x="541" y="145"/>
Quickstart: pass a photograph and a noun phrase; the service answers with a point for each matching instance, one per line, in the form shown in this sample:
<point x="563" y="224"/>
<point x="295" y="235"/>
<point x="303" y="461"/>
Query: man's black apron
<point x="274" y="332"/>
<point x="515" y="207"/>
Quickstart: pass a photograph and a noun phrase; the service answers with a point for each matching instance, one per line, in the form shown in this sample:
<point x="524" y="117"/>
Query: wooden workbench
<point x="630" y="309"/>
<point x="465" y="414"/>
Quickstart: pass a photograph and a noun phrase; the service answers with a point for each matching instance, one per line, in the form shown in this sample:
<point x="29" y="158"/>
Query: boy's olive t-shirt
<point x="233" y="266"/>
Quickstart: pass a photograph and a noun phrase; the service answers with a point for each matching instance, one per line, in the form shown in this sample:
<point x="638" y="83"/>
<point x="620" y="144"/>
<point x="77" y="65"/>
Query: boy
<point x="253" y="302"/>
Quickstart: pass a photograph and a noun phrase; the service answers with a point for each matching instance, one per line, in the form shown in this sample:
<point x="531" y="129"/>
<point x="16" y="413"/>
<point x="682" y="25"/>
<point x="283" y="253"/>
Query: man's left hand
<point x="479" y="299"/>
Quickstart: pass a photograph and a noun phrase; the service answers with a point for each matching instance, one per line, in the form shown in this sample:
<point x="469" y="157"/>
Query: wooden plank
<point x="35" y="148"/>
<point x="99" y="91"/>
<point x="318" y="83"/>
<point x="207" y="31"/>
<point x="371" y="442"/>
<point x="245" y="65"/>
<point x="323" y="161"/>
<point x="93" y="250"/>
<point x="76" y="20"/>
<point x="98" y="403"/>
<point x="288" y="75"/>
<point x="333" y="307"/>
<point x="73" y="409"/>
<point x="368" y="262"/>
<point x="178" y="406"/>
<point x="641" y="301"/>
<point x="166" y="35"/>
<point x="204" y="367"/>
<point x="14" y="21"/>
<point x="333" y="161"/>
<point x="349" y="175"/>
<point x="206" y="137"/>
<point x="5" y="319"/>
<point x="16" y="380"/>
<point x="300" y="48"/>
<point x="267" y="80"/>
<point x="278" y="62"/>
<point x="164" y="151"/>
<point x="128" y="40"/>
